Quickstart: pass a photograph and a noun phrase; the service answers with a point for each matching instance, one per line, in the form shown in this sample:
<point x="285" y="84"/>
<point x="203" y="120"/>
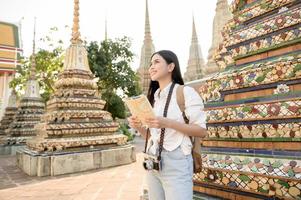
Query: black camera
<point x="151" y="163"/>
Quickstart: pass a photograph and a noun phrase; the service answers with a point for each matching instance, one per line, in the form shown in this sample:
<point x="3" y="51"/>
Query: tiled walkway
<point x="123" y="182"/>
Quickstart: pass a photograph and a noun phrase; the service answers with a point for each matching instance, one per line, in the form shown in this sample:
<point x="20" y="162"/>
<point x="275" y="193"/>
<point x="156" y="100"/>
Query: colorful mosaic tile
<point x="269" y="186"/>
<point x="254" y="11"/>
<point x="284" y="19"/>
<point x="252" y="75"/>
<point x="260" y="31"/>
<point x="227" y="56"/>
<point x="258" y="111"/>
<point x="265" y="43"/>
<point x="267" y="166"/>
<point x="282" y="130"/>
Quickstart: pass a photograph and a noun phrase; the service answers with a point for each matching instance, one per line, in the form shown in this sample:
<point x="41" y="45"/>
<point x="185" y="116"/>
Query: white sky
<point x="171" y="22"/>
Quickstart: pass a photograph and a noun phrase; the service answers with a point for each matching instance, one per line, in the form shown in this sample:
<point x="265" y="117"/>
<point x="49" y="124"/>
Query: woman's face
<point x="159" y="69"/>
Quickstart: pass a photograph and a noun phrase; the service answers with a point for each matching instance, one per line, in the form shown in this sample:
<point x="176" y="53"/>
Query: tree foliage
<point x="110" y="61"/>
<point x="49" y="62"/>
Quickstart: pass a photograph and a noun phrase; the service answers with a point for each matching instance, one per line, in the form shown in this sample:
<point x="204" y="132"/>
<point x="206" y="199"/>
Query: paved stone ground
<point x="117" y="183"/>
<point x="123" y="182"/>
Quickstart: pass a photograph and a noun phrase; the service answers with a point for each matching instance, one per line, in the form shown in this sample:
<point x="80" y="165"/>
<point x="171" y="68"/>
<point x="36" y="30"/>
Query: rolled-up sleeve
<point x="194" y="107"/>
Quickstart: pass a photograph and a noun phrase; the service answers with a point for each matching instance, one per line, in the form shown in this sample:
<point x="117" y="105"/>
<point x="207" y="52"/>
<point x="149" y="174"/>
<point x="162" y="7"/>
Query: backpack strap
<point x="180" y="97"/>
<point x="195" y="151"/>
<point x="181" y="102"/>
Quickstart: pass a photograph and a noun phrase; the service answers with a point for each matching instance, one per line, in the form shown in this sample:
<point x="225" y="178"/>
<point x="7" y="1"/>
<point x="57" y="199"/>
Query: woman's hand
<point x="158" y="122"/>
<point x="134" y="122"/>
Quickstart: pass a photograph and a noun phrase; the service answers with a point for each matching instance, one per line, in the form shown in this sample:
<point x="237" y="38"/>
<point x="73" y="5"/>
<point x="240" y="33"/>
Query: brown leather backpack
<point x="196" y="141"/>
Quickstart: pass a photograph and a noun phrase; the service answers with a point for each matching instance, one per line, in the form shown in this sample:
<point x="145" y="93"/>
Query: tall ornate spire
<point x="106" y="29"/>
<point x="32" y="85"/>
<point x="34" y="37"/>
<point x="146" y="51"/>
<point x="148" y="42"/>
<point x="75" y="28"/>
<point x="222" y="16"/>
<point x="33" y="56"/>
<point x="76" y="54"/>
<point x="147" y="31"/>
<point x="75" y="108"/>
<point x="196" y="61"/>
<point x="31" y="106"/>
<point x="194" y="37"/>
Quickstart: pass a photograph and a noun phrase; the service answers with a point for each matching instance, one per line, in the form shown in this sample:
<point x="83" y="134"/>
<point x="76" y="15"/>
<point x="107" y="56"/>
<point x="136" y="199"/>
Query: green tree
<point x="110" y="61"/>
<point x="49" y="62"/>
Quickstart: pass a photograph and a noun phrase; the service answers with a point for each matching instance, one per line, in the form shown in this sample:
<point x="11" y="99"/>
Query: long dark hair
<point x="169" y="57"/>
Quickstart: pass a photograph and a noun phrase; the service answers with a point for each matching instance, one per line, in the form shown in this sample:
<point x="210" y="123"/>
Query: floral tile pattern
<point x="259" y="111"/>
<point x="266" y="42"/>
<point x="253" y="75"/>
<point x="274" y="23"/>
<point x="269" y="32"/>
<point x="269" y="186"/>
<point x="253" y="11"/>
<point x="268" y="166"/>
<point x="227" y="56"/>
<point x="282" y="130"/>
<point x="260" y="53"/>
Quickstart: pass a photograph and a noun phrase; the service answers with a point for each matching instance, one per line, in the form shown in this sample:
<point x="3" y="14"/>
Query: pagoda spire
<point x="194" y="37"/>
<point x="75" y="108"/>
<point x="147" y="32"/>
<point x="195" y="62"/>
<point x="146" y="52"/>
<point x="75" y="28"/>
<point x="32" y="85"/>
<point x="32" y="75"/>
<point x="34" y="37"/>
<point x="30" y="108"/>
<point x="106" y="29"/>
<point x="76" y="55"/>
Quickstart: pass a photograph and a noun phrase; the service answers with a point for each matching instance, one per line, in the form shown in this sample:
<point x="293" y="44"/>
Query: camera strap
<point x="165" y="115"/>
<point x="162" y="129"/>
<point x="146" y="139"/>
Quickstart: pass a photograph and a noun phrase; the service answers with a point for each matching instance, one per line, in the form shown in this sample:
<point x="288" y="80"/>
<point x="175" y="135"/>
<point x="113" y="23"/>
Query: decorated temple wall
<point x="253" y="107"/>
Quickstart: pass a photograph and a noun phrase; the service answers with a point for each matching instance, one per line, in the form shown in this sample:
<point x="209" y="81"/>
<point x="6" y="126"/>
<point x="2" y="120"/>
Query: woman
<point x="174" y="180"/>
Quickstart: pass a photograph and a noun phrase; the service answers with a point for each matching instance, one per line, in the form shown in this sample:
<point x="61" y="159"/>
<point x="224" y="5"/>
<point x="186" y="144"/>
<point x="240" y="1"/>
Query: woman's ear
<point x="171" y="67"/>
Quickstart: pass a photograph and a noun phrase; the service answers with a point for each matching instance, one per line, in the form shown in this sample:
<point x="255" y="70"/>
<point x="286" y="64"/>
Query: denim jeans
<point x="174" y="181"/>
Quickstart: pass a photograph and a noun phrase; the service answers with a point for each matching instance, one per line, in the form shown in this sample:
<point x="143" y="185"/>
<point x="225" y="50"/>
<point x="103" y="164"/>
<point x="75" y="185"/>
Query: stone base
<point x="10" y="149"/>
<point x="35" y="164"/>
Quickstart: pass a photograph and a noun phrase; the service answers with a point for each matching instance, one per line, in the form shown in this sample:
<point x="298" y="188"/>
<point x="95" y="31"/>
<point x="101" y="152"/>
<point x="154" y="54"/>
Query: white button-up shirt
<point x="194" y="111"/>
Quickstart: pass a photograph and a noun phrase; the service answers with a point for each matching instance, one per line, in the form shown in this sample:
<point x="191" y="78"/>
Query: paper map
<point x="140" y="107"/>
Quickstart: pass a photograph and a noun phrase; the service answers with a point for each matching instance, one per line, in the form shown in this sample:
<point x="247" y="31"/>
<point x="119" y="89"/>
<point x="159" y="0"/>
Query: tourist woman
<point x="173" y="181"/>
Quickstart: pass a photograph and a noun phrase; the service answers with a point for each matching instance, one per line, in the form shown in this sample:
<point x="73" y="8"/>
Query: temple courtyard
<point x="250" y="85"/>
<point x="123" y="182"/>
<point x="116" y="183"/>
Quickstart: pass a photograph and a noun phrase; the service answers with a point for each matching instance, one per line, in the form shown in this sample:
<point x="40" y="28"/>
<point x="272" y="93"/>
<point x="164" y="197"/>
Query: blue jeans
<point x="174" y="181"/>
